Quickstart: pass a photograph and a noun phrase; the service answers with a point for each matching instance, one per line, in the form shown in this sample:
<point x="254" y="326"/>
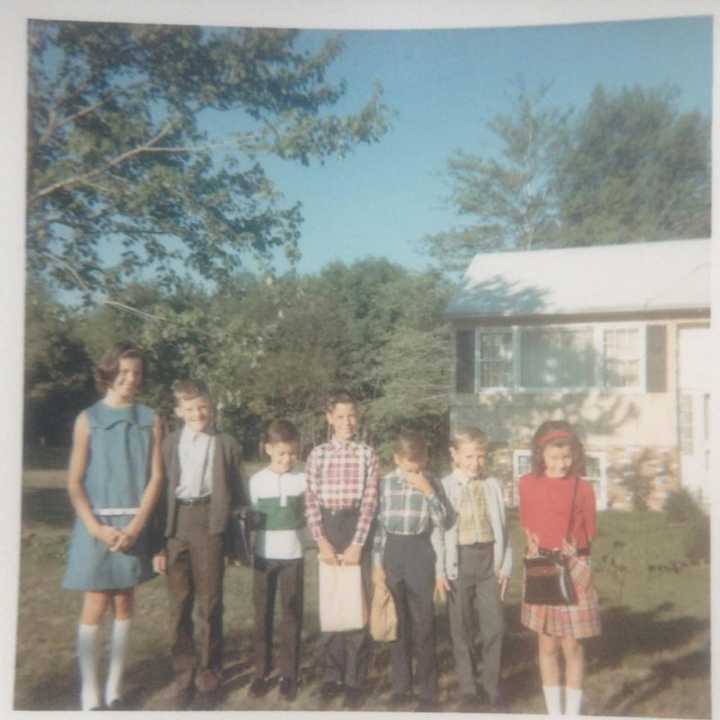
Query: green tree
<point x="508" y="195"/>
<point x="58" y="369"/>
<point x="123" y="178"/>
<point x="630" y="167"/>
<point x="636" y="169"/>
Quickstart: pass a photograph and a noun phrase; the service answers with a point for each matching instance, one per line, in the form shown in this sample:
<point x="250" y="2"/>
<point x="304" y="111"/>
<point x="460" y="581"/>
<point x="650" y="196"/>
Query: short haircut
<point x="557" y="433"/>
<point x="410" y="445"/>
<point x="339" y="397"/>
<point x="281" y="431"/>
<point x="468" y="434"/>
<point x="189" y="390"/>
<point x="108" y="367"/>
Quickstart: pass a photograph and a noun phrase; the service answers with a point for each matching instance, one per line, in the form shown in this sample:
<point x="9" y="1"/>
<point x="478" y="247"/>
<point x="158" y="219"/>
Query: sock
<point x="118" y="646"/>
<point x="573" y="698"/>
<point x="552" y="699"/>
<point x="87" y="639"/>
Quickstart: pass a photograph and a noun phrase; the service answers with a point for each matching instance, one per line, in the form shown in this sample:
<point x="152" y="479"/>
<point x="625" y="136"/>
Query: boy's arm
<point x="312" y="502"/>
<point x="368" y="504"/>
<point x="506" y="564"/>
<point x="436" y="507"/>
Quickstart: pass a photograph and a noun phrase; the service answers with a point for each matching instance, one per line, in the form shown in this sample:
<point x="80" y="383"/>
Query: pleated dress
<point x="118" y="470"/>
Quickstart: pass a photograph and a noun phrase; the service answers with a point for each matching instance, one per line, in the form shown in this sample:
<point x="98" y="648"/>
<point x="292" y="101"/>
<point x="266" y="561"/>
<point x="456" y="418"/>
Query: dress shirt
<point x="341" y="474"/>
<point x="403" y="510"/>
<point x="473" y="521"/>
<point x="196" y="459"/>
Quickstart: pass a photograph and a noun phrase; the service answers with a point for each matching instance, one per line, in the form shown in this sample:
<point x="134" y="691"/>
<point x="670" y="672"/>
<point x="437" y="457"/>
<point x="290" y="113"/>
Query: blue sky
<point x="443" y="86"/>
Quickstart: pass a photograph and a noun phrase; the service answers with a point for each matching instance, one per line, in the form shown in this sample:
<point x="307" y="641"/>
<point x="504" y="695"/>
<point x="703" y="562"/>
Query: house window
<point x="595" y="474"/>
<point x="557" y="357"/>
<point x="465" y="361"/>
<point x="562" y="357"/>
<point x="495" y="360"/>
<point x="621" y="357"/>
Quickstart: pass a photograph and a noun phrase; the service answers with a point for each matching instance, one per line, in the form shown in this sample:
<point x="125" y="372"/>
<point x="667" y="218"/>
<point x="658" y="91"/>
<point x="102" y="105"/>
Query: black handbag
<point x="547" y="576"/>
<point x="240" y="535"/>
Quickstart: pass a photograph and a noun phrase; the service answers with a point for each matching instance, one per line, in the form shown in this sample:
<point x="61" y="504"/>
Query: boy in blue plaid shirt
<point x="407" y="547"/>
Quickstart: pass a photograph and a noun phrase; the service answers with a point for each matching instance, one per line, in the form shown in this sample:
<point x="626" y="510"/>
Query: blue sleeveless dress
<point x="118" y="469"/>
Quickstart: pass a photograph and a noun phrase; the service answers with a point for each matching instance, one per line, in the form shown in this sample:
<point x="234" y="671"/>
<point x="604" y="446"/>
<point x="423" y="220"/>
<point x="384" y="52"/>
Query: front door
<point x="694" y="382"/>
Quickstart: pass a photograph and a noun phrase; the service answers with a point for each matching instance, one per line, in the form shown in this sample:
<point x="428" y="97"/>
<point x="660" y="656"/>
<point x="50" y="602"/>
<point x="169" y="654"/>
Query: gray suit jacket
<point x="228" y="485"/>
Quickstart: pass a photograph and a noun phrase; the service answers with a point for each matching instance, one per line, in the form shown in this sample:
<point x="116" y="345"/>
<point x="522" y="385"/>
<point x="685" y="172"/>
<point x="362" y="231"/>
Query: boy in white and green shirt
<point x="277" y="496"/>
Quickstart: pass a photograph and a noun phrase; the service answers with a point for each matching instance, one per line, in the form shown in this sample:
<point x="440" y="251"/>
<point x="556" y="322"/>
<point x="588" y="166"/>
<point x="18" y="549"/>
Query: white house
<point x="612" y="338"/>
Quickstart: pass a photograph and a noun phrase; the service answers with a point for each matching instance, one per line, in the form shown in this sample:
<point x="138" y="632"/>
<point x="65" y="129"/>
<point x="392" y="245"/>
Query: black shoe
<point x="118" y="704"/>
<point x="288" y="688"/>
<point x="354" y="698"/>
<point x="258" y="688"/>
<point x="425" y="706"/>
<point x="329" y="690"/>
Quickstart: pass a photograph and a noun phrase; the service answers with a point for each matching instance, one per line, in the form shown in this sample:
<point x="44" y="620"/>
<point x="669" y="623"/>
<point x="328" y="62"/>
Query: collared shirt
<point x="403" y="510"/>
<point x="341" y="474"/>
<point x="271" y="491"/>
<point x="473" y="521"/>
<point x="195" y="450"/>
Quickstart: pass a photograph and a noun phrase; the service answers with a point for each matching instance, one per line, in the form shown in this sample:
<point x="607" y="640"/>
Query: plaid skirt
<point x="578" y="621"/>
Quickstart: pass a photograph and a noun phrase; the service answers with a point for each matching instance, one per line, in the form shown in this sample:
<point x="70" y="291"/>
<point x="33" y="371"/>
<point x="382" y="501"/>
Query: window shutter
<point x="465" y="361"/>
<point x="656" y="358"/>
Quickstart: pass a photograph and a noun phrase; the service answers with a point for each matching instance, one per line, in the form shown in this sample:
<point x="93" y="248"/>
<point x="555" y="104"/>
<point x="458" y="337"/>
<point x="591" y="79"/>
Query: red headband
<point x="554" y="435"/>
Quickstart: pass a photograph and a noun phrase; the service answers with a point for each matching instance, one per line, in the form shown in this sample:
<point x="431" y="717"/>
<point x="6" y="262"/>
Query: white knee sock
<point x="573" y="698"/>
<point x="118" y="647"/>
<point x="552" y="699"/>
<point x="87" y="640"/>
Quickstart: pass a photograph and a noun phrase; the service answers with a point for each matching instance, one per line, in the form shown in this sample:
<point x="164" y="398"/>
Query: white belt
<point x="109" y="512"/>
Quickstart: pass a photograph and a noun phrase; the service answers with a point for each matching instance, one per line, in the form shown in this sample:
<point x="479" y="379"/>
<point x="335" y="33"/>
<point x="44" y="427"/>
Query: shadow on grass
<point x="50" y="506"/>
<point x="628" y="631"/>
<point x="659" y="677"/>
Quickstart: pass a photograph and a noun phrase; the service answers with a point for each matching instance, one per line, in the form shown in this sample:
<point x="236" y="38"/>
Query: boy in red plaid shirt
<point x="340" y="503"/>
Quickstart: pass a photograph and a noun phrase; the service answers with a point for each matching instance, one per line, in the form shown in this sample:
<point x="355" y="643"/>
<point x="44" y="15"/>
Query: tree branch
<point x="82" y="179"/>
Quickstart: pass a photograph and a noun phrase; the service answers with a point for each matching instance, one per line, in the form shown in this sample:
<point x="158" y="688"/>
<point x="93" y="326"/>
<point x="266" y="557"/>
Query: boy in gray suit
<point x="204" y="483"/>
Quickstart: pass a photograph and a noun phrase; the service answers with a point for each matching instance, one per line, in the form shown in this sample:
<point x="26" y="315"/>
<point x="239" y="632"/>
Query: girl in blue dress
<point x="114" y="481"/>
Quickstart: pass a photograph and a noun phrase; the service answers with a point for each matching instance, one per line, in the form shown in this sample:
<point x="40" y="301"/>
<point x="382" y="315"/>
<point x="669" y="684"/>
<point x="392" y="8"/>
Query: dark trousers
<point x="345" y="656"/>
<point x="476" y="602"/>
<point x="268" y="576"/>
<point x="409" y="564"/>
<point x="195" y="569"/>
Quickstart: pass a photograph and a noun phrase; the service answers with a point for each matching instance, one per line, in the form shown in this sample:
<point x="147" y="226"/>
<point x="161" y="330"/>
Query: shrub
<point x="681" y="507"/>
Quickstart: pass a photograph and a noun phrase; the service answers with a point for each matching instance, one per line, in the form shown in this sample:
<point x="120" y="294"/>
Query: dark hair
<point x="281" y="431"/>
<point x="468" y="434"/>
<point x="410" y="445"/>
<point x="189" y="390"/>
<point x="339" y="397"/>
<point x="557" y="433"/>
<point x="108" y="367"/>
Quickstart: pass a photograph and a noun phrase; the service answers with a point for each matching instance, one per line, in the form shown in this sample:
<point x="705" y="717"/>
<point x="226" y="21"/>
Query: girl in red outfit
<point x="546" y="496"/>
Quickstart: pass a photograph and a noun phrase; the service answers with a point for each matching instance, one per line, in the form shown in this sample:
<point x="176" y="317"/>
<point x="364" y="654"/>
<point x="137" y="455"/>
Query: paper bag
<point x="341" y="598"/>
<point x="383" y="616"/>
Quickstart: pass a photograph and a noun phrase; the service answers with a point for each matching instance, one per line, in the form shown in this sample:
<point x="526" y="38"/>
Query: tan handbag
<point x="383" y="616"/>
<point x="341" y="598"/>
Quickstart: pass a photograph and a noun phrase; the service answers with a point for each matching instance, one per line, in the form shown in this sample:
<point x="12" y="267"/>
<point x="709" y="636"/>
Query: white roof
<point x="636" y="277"/>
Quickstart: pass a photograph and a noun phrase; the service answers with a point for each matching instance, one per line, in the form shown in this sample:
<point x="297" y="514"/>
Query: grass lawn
<point x="652" y="660"/>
